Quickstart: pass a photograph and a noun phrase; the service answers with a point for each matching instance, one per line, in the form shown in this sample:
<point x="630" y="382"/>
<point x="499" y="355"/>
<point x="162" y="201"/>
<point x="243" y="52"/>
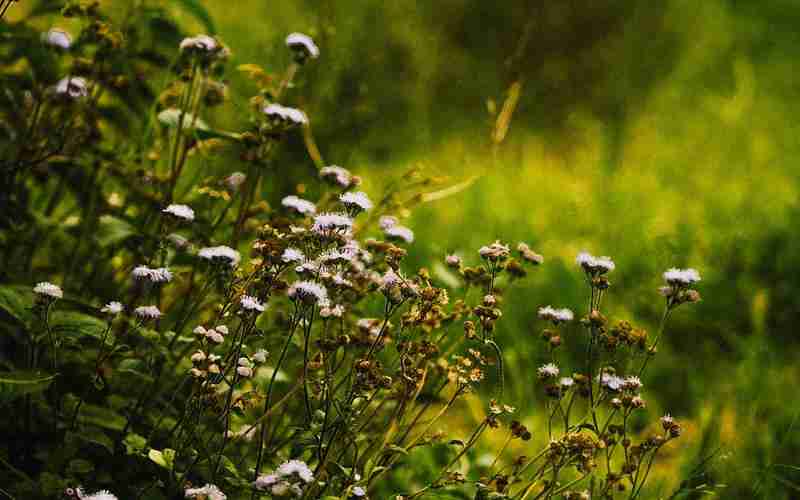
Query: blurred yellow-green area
<point x="659" y="133"/>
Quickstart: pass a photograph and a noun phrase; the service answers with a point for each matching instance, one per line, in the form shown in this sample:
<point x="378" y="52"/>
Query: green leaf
<point x="51" y="484"/>
<point x="17" y="301"/>
<point x="97" y="437"/>
<point x="101" y="417"/>
<point x="19" y="383"/>
<point x="80" y="466"/>
<point x="113" y="230"/>
<point x="195" y="8"/>
<point x="133" y="367"/>
<point x="134" y="444"/>
<point x="165" y="459"/>
<point x="76" y="325"/>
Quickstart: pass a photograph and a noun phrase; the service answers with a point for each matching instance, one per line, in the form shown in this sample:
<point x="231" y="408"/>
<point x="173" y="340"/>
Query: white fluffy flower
<point x="112" y="308"/>
<point x="57" y="37"/>
<point x="548" y="371"/>
<point x="592" y="264"/>
<point x="358" y="491"/>
<point x="683" y="277"/>
<point x="260" y="356"/>
<point x="297" y="467"/>
<point x="356" y="202"/>
<point x="495" y="251"/>
<point x="328" y="222"/>
<point x="566" y="382"/>
<point x="73" y="87"/>
<point x="158" y="275"/>
<point x="304" y="44"/>
<point x="251" y="304"/>
<point x="555" y="315"/>
<point x="285" y="114"/>
<point x="48" y="289"/>
<point x="299" y="205"/>
<point x="200" y="43"/>
<point x="244" y="371"/>
<point x="399" y="233"/>
<point x="220" y="253"/>
<point x="207" y="492"/>
<point x="308" y="291"/>
<point x="100" y="495"/>
<point x="147" y="312"/>
<point x="336" y="175"/>
<point x="184" y="212"/>
<point x="611" y="382"/>
<point x="292" y="255"/>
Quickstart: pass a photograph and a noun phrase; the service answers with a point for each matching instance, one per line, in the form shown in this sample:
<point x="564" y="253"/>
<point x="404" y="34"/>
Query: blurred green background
<point x="660" y="133"/>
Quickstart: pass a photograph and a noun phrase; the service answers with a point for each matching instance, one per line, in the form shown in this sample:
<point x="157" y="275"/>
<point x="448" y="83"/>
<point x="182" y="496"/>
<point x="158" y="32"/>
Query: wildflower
<point x="399" y="233"/>
<point x="292" y="255"/>
<point x="358" y="491"/>
<point x="611" y="382"/>
<point x="356" y="202"/>
<point x="235" y="180"/>
<point x="73" y="87"/>
<point x="566" y="382"/>
<point x="288" y="478"/>
<point x="215" y="335"/>
<point x="528" y="254"/>
<point x="296" y="467"/>
<point x="387" y="221"/>
<point x="495" y="252"/>
<point x="594" y="265"/>
<point x="184" y="212"/>
<point x="631" y="383"/>
<point x="207" y="492"/>
<point x="329" y="222"/>
<point x="48" y="290"/>
<point x="245" y="368"/>
<point x="336" y="311"/>
<point x="178" y="241"/>
<point x="390" y="280"/>
<point x="303" y="46"/>
<point x="336" y="175"/>
<point x="260" y="356"/>
<point x="638" y="402"/>
<point x="681" y="277"/>
<point x="198" y="357"/>
<point x="113" y="308"/>
<point x="222" y="254"/>
<point x="453" y="261"/>
<point x="284" y="114"/>
<point x="308" y="292"/>
<point x="299" y="205"/>
<point x="159" y="275"/>
<point x="202" y="44"/>
<point x="223" y="329"/>
<point x="667" y="421"/>
<point x="251" y="304"/>
<point x="100" y="495"/>
<point x="147" y="313"/>
<point x="555" y="315"/>
<point x="548" y="371"/>
<point x="57" y="38"/>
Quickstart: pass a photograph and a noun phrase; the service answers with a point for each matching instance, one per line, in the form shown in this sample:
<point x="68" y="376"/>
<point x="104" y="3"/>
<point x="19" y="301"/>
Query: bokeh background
<point x="660" y="133"/>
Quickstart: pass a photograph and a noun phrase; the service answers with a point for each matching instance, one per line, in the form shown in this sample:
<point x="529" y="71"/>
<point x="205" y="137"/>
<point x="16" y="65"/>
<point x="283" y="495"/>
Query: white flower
<point x="308" y="291"/>
<point x="215" y="336"/>
<point x="356" y="201"/>
<point x="682" y="277"/>
<point x="48" y="289"/>
<point x="399" y="233"/>
<point x="198" y="357"/>
<point x="207" y="492"/>
<point x="303" y="44"/>
<point x="147" y="312"/>
<point x="244" y="371"/>
<point x="494" y="252"/>
<point x="251" y="304"/>
<point x="358" y="491"/>
<point x="337" y="175"/>
<point x="453" y="260"/>
<point x="387" y="221"/>
<point x="292" y="255"/>
<point x="220" y="253"/>
<point x="260" y="356"/>
<point x="184" y="212"/>
<point x="100" y="495"/>
<point x="548" y="371"/>
<point x="611" y="382"/>
<point x="336" y="311"/>
<point x="328" y="222"/>
<point x="297" y="467"/>
<point x="57" y="37"/>
<point x="200" y="43"/>
<point x="299" y="205"/>
<point x="631" y="383"/>
<point x="235" y="180"/>
<point x="72" y="86"/>
<point x="285" y="114"/>
<point x="555" y="315"/>
<point x="112" y="308"/>
<point x="592" y="264"/>
<point x="667" y="420"/>
<point x="266" y="480"/>
<point x="390" y="280"/>
<point x="566" y="382"/>
<point x="159" y="275"/>
<point x="222" y="329"/>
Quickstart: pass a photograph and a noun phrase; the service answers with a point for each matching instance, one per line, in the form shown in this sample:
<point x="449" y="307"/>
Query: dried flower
<point x="495" y="252"/>
<point x="184" y="212"/>
<point x="48" y="290"/>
